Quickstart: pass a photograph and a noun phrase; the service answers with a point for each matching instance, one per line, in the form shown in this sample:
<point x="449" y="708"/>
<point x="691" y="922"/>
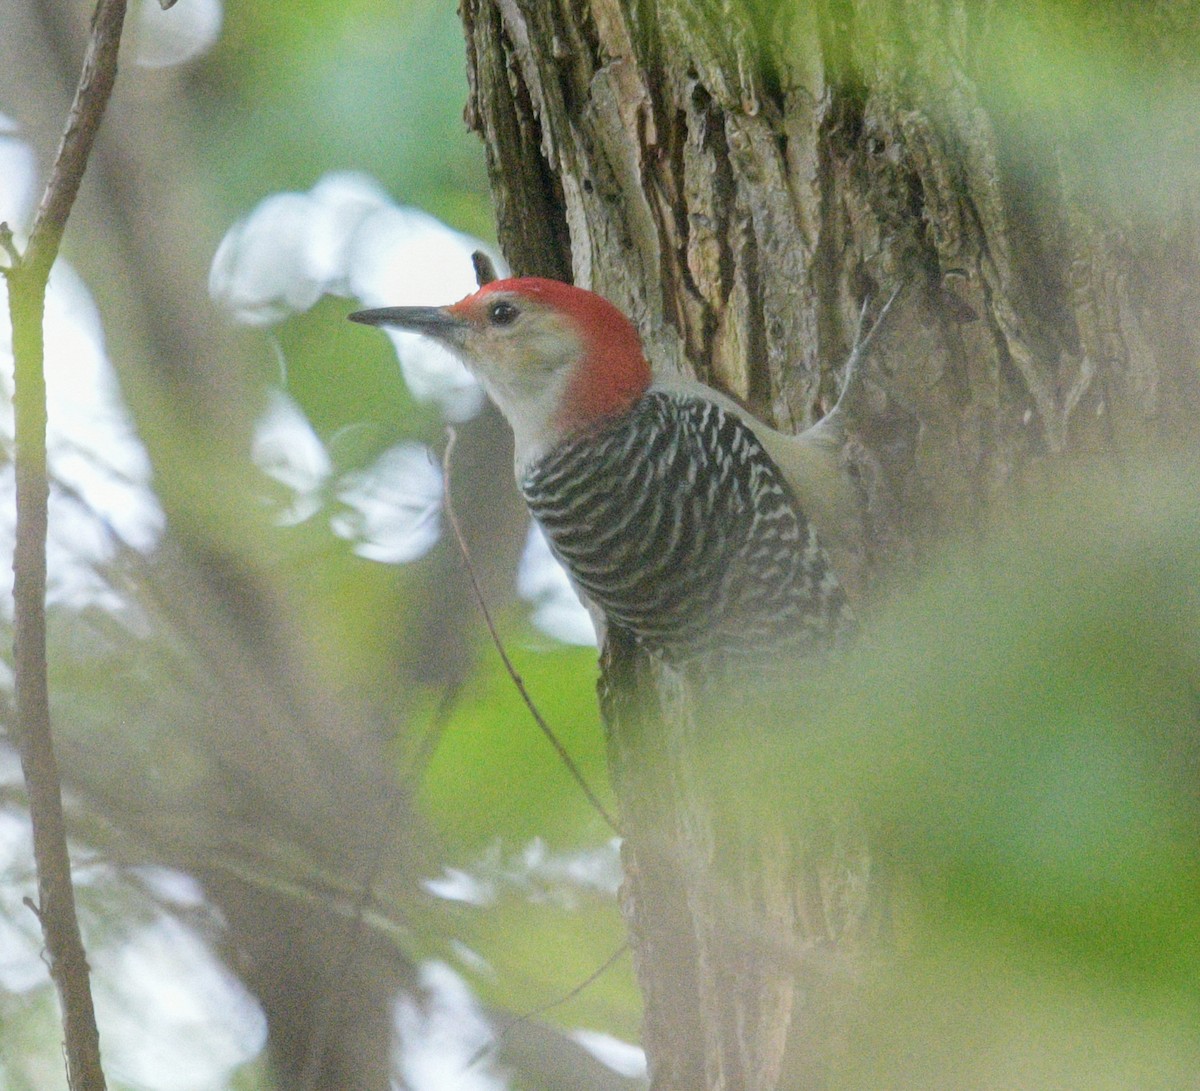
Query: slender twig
<point x="550" y="1005"/>
<point x="858" y="351"/>
<point x="7" y="244"/>
<point x="83" y="122"/>
<point x="338" y="982"/>
<point x="416" y="766"/>
<point x="27" y="279"/>
<point x="567" y="760"/>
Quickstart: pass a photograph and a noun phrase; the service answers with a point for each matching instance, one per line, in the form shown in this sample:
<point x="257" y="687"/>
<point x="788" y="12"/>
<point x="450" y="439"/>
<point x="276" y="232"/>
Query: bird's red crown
<point x="612" y="373"/>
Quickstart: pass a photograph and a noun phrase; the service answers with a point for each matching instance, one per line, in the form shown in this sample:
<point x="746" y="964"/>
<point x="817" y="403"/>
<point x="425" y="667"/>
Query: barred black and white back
<point x="674" y="522"/>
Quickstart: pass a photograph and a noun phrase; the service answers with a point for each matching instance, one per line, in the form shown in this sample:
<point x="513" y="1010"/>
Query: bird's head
<point x="556" y="359"/>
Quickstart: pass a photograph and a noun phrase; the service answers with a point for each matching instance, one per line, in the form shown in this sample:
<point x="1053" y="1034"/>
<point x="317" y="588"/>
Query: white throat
<point x="530" y="411"/>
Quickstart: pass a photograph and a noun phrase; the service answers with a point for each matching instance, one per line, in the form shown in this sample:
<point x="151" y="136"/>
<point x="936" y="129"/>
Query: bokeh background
<point x="265" y="651"/>
<point x="320" y="841"/>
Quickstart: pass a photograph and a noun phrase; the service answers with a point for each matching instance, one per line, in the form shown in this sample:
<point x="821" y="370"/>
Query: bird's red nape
<point x="612" y="373"/>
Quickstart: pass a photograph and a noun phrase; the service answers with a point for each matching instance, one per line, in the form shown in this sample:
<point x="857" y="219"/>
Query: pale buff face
<point x="512" y="342"/>
<point x="523" y="352"/>
<point x="556" y="359"/>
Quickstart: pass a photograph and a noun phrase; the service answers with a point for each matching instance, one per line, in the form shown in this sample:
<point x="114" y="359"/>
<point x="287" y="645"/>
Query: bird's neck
<point x="599" y="389"/>
<point x="575" y="404"/>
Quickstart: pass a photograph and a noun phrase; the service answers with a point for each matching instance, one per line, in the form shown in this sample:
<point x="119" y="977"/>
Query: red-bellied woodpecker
<point x="684" y="521"/>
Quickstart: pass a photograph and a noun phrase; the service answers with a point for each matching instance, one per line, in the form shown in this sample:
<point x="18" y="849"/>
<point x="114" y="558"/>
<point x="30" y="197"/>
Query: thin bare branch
<point x="518" y="681"/>
<point x="83" y="122"/>
<point x="550" y="1005"/>
<point x="337" y="982"/>
<point x="27" y="280"/>
<point x="7" y="244"/>
<point x="855" y="370"/>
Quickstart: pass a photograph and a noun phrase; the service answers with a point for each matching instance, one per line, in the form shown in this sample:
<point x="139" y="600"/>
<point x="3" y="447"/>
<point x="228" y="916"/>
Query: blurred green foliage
<point x="365" y="85"/>
<point x="1020" y="728"/>
<point x="494" y="770"/>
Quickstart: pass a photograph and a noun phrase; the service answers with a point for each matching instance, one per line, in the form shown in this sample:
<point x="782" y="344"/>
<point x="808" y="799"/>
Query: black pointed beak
<point x="431" y="321"/>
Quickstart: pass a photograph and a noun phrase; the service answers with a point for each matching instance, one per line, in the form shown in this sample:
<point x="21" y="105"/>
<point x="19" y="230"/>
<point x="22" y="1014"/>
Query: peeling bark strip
<point x="738" y="177"/>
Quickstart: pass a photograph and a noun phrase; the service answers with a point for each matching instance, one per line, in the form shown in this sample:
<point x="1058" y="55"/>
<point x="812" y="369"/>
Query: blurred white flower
<point x="622" y="1057"/>
<point x="92" y="446"/>
<point x="389" y="510"/>
<point x="174" y="1017"/>
<point x="292" y="249"/>
<point x="346" y="237"/>
<point x="181" y="33"/>
<point x="456" y="885"/>
<point x="286" y="448"/>
<point x="100" y="491"/>
<point x="393" y="506"/>
<point x="403" y="257"/>
<point x="535" y="873"/>
<point x="541" y="580"/>
<point x="440" y="1033"/>
<point x="18" y="175"/>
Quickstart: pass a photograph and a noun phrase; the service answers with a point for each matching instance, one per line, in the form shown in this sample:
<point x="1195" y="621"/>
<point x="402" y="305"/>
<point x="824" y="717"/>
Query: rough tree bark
<point x="739" y="177"/>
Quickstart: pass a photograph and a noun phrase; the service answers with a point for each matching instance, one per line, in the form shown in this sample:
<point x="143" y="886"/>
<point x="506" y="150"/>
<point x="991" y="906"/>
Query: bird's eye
<point x="502" y="313"/>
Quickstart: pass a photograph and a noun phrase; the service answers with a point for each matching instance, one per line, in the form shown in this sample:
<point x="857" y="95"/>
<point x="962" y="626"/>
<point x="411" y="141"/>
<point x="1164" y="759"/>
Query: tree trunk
<point x="739" y="178"/>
